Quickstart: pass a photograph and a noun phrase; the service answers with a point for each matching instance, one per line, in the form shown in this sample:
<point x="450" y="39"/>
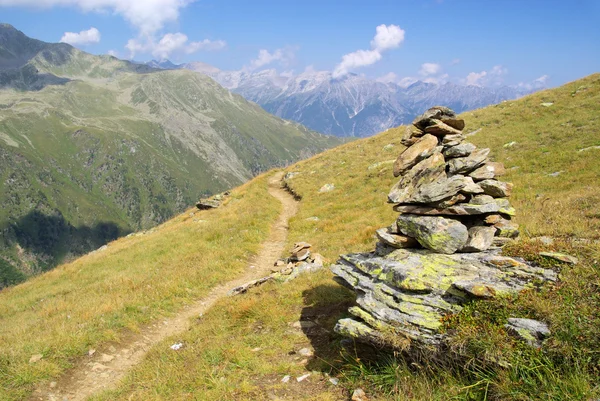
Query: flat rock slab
<point x="405" y="293"/>
<point x="460" y="209"/>
<point x="561" y="257"/>
<point x="487" y="171"/>
<point x="434" y="113"/>
<point x="464" y="165"/>
<point x="414" y="154"/>
<point x="531" y="331"/>
<point x="425" y="172"/>
<point x="206" y="204"/>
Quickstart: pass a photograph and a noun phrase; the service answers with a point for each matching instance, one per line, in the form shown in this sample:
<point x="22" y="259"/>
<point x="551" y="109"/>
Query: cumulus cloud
<point x="148" y="16"/>
<point x="171" y="44"/>
<point x="284" y="56"/>
<point x="538" y="83"/>
<point x="407" y="81"/>
<point x="438" y="80"/>
<point x="82" y="38"/>
<point x="493" y="77"/>
<point x="387" y="37"/>
<point x="428" y="69"/>
<point x="387" y="78"/>
<point x="113" y="53"/>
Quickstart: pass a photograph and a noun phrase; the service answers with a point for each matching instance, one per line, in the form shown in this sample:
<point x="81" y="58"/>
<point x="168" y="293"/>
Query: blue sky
<point x="510" y="42"/>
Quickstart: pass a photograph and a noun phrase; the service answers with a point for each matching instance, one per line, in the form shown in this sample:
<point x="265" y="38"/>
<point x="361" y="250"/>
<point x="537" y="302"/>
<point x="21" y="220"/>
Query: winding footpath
<point x="104" y="370"/>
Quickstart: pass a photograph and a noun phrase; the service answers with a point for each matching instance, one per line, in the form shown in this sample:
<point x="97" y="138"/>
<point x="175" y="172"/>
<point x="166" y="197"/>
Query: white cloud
<point x="359" y="58"/>
<point x="284" y="56"/>
<point x="538" y="83"/>
<point x="428" y="69"/>
<point x="475" y="78"/>
<point x="541" y="80"/>
<point x="113" y="53"/>
<point x="264" y="58"/>
<point x="407" y="81"/>
<point x="171" y="44"/>
<point x="386" y="37"/>
<point x="438" y="80"/>
<point x="177" y="43"/>
<point x="148" y="16"/>
<point x="387" y="78"/>
<point x="82" y="38"/>
<point x="493" y="77"/>
<point x="455" y="61"/>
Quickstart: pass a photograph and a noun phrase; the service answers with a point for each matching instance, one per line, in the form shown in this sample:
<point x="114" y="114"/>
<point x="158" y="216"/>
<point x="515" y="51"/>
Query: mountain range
<point x="93" y="147"/>
<point x="352" y="105"/>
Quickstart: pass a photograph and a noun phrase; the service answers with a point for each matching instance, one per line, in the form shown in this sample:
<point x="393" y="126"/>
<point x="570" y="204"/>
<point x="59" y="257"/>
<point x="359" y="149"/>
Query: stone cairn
<point x="301" y="260"/>
<point x="443" y="249"/>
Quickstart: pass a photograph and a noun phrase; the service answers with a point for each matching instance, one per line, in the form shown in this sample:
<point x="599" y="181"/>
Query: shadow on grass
<point x="324" y="305"/>
<point x="52" y="240"/>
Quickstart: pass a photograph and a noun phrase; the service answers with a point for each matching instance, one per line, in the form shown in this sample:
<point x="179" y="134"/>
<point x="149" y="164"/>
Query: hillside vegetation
<point x="92" y="147"/>
<point x="244" y="346"/>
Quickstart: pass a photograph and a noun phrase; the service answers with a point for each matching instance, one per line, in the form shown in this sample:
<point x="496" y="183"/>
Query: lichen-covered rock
<point x="425" y="172"/>
<point x="480" y="239"/>
<point x="531" y="331"/>
<point x="439" y="128"/>
<point x="497" y="189"/>
<point x="439" y="234"/>
<point x="456" y="123"/>
<point x="404" y="294"/>
<point x="487" y="171"/>
<point x="462" y="150"/>
<point x="414" y="154"/>
<point x="464" y="165"/>
<point x="460" y="209"/>
<point x="434" y="113"/>
<point x="506" y="228"/>
<point x="395" y="240"/>
<point x="561" y="257"/>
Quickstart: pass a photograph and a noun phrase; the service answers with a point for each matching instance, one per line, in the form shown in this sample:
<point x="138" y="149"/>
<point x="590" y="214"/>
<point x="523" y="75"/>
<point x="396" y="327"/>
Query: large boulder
<point x="404" y="294"/>
<point x="439" y="234"/>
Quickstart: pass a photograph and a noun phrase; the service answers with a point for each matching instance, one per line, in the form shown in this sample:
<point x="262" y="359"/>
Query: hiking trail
<point x="104" y="369"/>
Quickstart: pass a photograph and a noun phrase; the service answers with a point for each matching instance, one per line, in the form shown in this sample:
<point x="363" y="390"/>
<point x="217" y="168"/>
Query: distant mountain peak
<point x="352" y="105"/>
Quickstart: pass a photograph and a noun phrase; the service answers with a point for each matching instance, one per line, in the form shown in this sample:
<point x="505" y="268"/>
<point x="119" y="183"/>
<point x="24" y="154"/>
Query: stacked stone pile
<point x="301" y="260"/>
<point x="443" y="248"/>
<point x="449" y="196"/>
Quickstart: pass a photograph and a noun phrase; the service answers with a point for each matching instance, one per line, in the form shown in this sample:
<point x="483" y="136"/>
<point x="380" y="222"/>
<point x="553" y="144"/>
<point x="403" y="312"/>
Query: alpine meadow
<point x="275" y="201"/>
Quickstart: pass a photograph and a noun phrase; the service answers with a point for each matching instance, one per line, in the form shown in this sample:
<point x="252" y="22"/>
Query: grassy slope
<point x="226" y="367"/>
<point x="113" y="151"/>
<point x="100" y="296"/>
<point x="548" y="140"/>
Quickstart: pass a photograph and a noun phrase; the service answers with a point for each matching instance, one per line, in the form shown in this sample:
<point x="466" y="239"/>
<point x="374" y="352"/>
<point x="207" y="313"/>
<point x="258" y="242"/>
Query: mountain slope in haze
<point x="92" y="147"/>
<point x="352" y="105"/>
<point x="241" y="348"/>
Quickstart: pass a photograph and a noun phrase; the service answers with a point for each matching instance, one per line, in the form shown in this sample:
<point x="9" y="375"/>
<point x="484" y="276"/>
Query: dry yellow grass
<point x="226" y="368"/>
<point x="220" y="360"/>
<point x="136" y="280"/>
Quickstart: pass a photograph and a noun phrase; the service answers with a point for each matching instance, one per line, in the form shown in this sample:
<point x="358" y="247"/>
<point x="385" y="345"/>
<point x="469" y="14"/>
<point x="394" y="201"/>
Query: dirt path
<point x="104" y="370"/>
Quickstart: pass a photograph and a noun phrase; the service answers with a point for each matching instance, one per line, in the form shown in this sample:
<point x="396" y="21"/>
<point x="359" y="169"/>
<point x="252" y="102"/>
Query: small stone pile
<point x="443" y="249"/>
<point x="449" y="197"/>
<point x="301" y="260"/>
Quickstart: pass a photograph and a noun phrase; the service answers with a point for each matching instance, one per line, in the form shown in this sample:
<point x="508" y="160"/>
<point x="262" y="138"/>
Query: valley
<point x="93" y="148"/>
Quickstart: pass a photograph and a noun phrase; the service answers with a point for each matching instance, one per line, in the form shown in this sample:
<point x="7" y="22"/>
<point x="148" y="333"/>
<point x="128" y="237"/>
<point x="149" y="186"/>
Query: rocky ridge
<point x="444" y="248"/>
